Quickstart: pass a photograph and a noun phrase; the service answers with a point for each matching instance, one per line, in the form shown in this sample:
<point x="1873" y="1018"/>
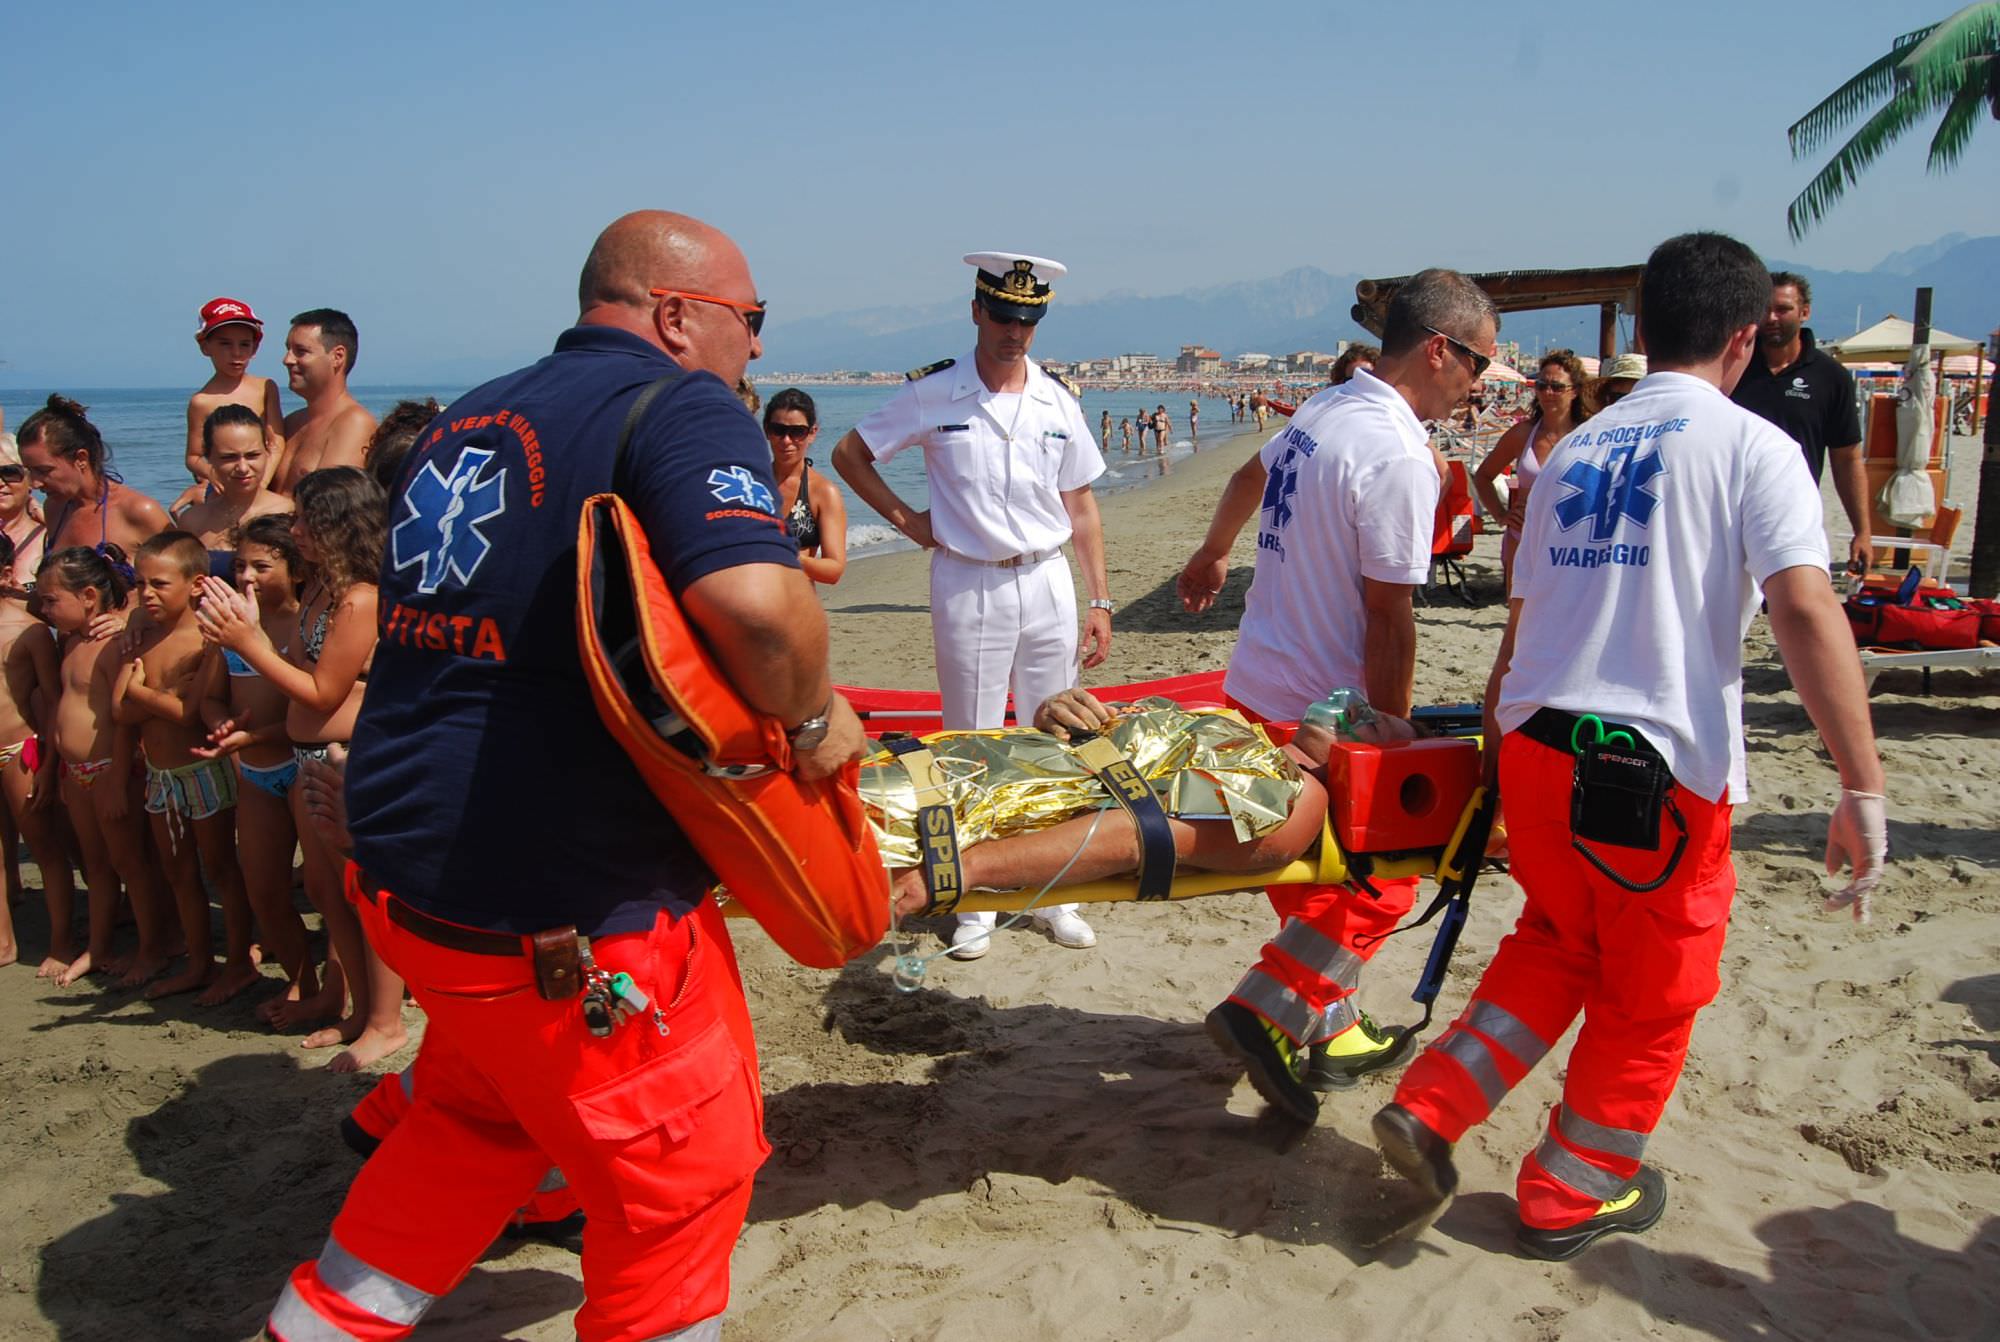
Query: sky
<point x="439" y="170"/>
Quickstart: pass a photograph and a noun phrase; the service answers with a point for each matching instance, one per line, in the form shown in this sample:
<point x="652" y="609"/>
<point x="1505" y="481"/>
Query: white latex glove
<point x="1858" y="837"/>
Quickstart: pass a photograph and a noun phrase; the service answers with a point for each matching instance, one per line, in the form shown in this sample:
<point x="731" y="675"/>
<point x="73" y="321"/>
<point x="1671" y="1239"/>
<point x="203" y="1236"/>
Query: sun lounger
<point x="1874" y="661"/>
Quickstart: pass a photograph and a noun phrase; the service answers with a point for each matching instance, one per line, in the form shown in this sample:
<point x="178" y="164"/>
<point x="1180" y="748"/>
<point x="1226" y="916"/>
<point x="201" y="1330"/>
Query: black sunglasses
<point x="1543" y="384"/>
<point x="1480" y="362"/>
<point x="12" y="474"/>
<point x="788" y="430"/>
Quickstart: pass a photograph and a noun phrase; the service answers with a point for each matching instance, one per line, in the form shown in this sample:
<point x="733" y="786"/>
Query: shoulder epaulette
<point x="916" y="374"/>
<point x="1067" y="384"/>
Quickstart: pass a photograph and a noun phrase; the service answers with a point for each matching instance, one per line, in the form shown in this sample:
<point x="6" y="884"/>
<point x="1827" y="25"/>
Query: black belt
<point x="1557" y="730"/>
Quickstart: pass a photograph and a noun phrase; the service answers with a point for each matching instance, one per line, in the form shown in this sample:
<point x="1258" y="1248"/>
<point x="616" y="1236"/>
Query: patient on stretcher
<point x="1024" y="807"/>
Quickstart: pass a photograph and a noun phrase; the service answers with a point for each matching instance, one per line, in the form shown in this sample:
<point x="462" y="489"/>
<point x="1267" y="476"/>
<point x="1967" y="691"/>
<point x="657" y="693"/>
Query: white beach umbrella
<point x="1907" y="498"/>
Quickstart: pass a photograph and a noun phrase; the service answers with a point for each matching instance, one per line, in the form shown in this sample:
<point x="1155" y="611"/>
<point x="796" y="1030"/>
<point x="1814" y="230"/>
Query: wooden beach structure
<point x="1607" y="288"/>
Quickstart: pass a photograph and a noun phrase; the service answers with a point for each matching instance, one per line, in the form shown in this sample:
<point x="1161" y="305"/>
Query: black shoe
<point x="1624" y="1212"/>
<point x="566" y="1233"/>
<point x="1326" y="1071"/>
<point x="1419" y="1155"/>
<point x="1276" y="1065"/>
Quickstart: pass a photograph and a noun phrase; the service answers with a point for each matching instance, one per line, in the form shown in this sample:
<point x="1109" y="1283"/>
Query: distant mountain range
<point x="1308" y="308"/>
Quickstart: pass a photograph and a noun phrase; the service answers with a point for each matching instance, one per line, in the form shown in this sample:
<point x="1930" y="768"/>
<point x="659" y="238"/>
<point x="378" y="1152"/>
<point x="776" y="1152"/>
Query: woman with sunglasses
<point x="815" y="515"/>
<point x="21" y="519"/>
<point x="1559" y="407"/>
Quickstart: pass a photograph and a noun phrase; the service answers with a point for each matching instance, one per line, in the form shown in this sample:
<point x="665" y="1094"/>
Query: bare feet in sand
<point x="52" y="968"/>
<point x="291" y="1013"/>
<point x="76" y="969"/>
<point x="140" y="968"/>
<point x="9" y="954"/>
<point x="198" y="974"/>
<point x="369" y="1046"/>
<point x="232" y="980"/>
<point x="269" y="1007"/>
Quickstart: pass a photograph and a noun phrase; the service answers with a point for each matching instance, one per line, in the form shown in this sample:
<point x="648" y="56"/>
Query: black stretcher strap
<point x="1121" y="779"/>
<point x="937" y="827"/>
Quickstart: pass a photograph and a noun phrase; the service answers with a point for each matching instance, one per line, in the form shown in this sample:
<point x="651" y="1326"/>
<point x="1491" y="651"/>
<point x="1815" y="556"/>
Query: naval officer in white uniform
<point x="1009" y="461"/>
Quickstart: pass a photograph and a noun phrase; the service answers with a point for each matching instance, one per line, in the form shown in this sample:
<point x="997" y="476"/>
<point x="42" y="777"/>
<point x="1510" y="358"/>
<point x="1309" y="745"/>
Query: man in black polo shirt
<point x="1804" y="391"/>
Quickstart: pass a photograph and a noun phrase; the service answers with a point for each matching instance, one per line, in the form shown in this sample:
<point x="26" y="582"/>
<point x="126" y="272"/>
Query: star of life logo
<point x="1281" y="488"/>
<point x="1608" y="494"/>
<point x="738" y="485"/>
<point x="440" y="530"/>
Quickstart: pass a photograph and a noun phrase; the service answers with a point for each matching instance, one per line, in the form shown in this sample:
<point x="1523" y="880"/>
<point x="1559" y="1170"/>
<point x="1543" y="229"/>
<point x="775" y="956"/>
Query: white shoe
<point x="969" y="941"/>
<point x="1069" y="929"/>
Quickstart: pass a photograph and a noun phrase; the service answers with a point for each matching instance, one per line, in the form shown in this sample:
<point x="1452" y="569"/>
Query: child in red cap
<point x="229" y="335"/>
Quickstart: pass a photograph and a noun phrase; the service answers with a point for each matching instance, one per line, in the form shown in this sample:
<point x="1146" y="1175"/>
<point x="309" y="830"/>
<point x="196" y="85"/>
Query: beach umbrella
<point x="1500" y="372"/>
<point x="1907" y="498"/>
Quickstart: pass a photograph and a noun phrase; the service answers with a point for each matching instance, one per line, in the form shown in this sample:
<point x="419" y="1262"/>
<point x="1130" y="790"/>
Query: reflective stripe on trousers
<point x="1614" y="1146"/>
<point x="1319" y="953"/>
<point x="1499" y="1031"/>
<point x="367" y="1296"/>
<point x="1272" y="1000"/>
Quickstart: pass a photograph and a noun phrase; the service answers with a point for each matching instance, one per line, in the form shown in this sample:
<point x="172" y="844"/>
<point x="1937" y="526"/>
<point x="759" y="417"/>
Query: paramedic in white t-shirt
<point x="1648" y="541"/>
<point x="1008" y="460"/>
<point x="1347" y="500"/>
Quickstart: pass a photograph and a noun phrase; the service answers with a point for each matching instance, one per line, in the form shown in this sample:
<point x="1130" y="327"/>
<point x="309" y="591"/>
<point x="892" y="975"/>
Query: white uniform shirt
<point x="1352" y="494"/>
<point x="1647" y="539"/>
<point x="997" y="464"/>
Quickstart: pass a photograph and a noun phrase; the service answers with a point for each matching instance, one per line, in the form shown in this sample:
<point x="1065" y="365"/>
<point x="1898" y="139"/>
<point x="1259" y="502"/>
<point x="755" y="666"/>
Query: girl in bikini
<point x="339" y="528"/>
<point x="27" y="772"/>
<point x="239" y="458"/>
<point x="248" y="723"/>
<point x="21" y="526"/>
<point x="76" y="588"/>
<point x="1559" y="408"/>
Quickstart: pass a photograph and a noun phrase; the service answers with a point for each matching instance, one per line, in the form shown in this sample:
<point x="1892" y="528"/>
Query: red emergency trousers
<point x="1637" y="966"/>
<point x="1304" y="980"/>
<point x="659" y="1136"/>
<point x="382" y="1108"/>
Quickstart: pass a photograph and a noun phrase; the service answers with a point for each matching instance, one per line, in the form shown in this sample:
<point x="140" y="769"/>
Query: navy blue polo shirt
<point x="1812" y="400"/>
<point x="483" y="787"/>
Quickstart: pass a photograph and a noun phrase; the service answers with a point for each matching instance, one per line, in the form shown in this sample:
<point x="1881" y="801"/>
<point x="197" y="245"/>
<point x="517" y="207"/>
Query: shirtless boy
<point x="333" y="429"/>
<point x="230" y="334"/>
<point x="238" y="461"/>
<point x="189" y="799"/>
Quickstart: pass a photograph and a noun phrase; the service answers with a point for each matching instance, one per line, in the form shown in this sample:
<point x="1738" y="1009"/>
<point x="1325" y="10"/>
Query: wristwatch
<point x="808" y="734"/>
<point x="1102" y="603"/>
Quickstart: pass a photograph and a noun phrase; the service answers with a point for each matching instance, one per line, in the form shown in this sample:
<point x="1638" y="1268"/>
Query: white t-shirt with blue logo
<point x="1647" y="538"/>
<point x="1352" y="493"/>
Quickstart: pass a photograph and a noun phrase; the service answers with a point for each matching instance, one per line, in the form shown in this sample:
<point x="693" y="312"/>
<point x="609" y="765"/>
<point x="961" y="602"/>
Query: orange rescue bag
<point x="799" y="856"/>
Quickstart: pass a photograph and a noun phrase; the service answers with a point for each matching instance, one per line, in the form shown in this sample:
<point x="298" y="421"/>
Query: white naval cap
<point x="1014" y="285"/>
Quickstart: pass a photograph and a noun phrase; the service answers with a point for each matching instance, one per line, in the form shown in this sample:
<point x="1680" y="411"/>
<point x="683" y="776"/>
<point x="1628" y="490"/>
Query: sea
<point x="145" y="428"/>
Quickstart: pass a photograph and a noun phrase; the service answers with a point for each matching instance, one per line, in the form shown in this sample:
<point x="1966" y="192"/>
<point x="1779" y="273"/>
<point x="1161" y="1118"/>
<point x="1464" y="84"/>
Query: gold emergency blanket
<point x="1202" y="763"/>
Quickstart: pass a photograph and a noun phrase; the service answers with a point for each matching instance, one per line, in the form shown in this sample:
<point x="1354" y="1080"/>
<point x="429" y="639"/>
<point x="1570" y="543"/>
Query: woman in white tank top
<point x="1559" y="407"/>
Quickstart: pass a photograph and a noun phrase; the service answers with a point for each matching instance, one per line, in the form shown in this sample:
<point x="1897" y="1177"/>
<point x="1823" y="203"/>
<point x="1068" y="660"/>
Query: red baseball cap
<point x="226" y="312"/>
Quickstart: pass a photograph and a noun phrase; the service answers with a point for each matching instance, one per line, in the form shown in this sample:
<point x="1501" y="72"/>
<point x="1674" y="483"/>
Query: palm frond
<point x="1867" y="144"/>
<point x="1954" y="129"/>
<point x="1877" y="80"/>
<point x="1938" y="64"/>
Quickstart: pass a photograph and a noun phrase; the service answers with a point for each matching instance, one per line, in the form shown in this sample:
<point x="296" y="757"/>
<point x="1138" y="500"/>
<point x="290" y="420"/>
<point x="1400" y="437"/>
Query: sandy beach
<point x="1043" y="1144"/>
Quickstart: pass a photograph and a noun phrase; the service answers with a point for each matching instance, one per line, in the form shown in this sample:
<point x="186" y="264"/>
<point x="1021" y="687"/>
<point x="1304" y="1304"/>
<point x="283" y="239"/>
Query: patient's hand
<point x="1074" y="710"/>
<point x="907" y="892"/>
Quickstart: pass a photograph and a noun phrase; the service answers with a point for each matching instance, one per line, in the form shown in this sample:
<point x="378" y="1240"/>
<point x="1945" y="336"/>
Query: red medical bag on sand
<point x="799" y="856"/>
<point x="1926" y="621"/>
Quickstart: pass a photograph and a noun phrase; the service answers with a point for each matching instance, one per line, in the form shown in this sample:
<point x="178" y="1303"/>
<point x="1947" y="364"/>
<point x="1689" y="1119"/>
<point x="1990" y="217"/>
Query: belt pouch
<point x="1616" y="794"/>
<point x="558" y="969"/>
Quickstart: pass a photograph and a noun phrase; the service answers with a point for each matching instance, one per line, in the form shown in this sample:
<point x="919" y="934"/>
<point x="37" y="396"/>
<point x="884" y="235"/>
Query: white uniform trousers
<point x="996" y="629"/>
